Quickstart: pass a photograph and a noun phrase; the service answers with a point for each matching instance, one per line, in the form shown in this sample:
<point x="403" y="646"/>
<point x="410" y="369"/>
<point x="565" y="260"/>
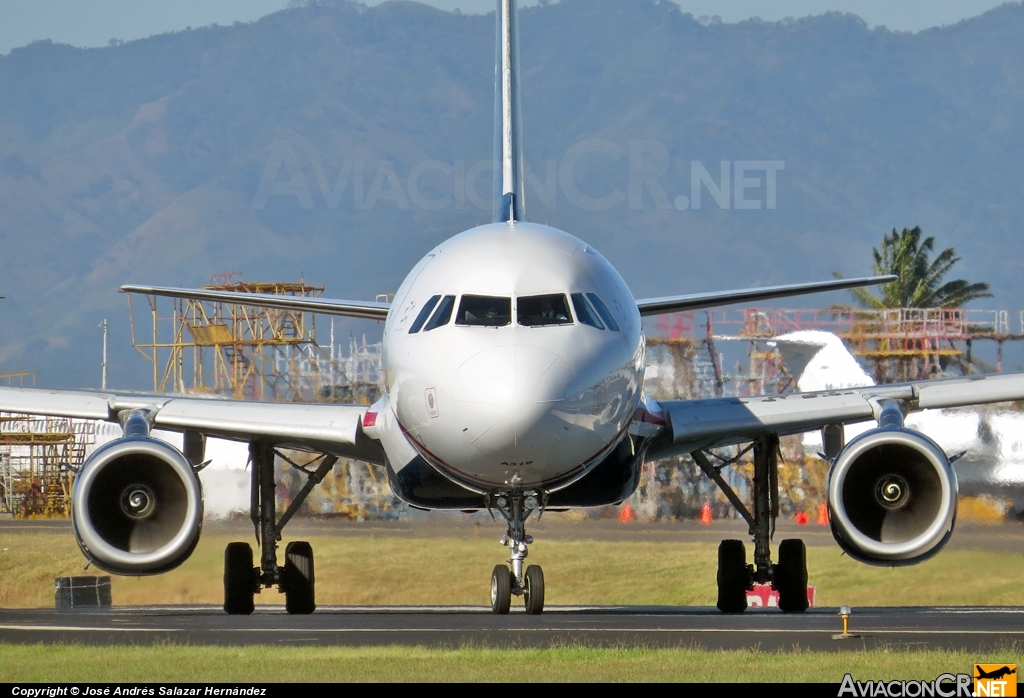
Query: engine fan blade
<point x="900" y="526"/>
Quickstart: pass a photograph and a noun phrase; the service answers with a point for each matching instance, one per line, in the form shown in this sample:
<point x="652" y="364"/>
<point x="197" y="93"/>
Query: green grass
<point x="408" y="570"/>
<point x="169" y="663"/>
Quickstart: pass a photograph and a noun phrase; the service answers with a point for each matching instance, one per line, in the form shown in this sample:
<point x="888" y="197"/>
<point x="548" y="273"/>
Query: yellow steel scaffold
<point x="18" y="378"/>
<point x="38" y="459"/>
<point x="236" y="349"/>
<point x="900" y="343"/>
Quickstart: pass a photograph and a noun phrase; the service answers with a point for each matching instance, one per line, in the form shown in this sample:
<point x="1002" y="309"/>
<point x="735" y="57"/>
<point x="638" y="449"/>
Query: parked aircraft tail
<point x="819" y="361"/>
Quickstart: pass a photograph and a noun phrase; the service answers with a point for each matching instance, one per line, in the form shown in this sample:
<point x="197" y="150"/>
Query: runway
<point x="971" y="629"/>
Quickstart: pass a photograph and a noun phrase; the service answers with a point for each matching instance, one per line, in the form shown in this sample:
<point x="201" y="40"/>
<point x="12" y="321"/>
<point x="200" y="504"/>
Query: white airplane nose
<point x="514" y="374"/>
<point x="509" y="395"/>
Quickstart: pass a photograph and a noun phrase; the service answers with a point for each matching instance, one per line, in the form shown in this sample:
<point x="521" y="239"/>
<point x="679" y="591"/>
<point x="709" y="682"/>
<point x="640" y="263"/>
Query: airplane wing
<point x="379" y="311"/>
<point x="697" y="301"/>
<point x="326" y="428"/>
<point x="690" y="425"/>
<point x="362" y="309"/>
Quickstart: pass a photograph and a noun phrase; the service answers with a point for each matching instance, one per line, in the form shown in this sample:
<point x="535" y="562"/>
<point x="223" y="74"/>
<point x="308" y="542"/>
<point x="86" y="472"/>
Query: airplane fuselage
<point x="513" y="357"/>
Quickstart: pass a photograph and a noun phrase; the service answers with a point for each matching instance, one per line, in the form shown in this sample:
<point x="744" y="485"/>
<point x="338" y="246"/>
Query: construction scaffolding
<point x="251" y="353"/>
<point x="900" y="344"/>
<point x="18" y="378"/>
<point x="38" y="459"/>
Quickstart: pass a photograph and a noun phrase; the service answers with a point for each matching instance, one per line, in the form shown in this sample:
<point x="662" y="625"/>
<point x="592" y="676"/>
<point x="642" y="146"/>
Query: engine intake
<point x="892" y="496"/>
<point x="137" y="505"/>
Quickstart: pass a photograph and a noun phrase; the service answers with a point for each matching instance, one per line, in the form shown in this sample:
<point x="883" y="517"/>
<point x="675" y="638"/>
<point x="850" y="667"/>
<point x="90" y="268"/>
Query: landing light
<point x="845" y="612"/>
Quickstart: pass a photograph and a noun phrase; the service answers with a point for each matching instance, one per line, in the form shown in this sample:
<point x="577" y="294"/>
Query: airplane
<point x="513" y="359"/>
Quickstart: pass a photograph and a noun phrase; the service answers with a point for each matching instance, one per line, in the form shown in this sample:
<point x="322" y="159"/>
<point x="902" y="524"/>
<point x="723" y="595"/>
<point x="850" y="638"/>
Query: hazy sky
<point x="95" y="22"/>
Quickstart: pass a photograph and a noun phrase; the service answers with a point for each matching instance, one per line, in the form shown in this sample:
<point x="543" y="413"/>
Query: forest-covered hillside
<point x="340" y="143"/>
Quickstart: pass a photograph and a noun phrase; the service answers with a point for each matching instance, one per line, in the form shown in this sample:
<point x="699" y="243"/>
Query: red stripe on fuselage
<point x="642" y="415"/>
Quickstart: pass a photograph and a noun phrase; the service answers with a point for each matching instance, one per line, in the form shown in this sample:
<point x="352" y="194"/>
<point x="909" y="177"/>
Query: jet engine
<point x="892" y="494"/>
<point x="137" y="505"/>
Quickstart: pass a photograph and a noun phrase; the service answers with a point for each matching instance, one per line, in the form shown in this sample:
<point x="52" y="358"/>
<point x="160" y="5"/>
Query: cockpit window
<point x="424" y="314"/>
<point x="485" y="311"/>
<point x="537" y="311"/>
<point x="443" y="314"/>
<point x="584" y="313"/>
<point x="602" y="310"/>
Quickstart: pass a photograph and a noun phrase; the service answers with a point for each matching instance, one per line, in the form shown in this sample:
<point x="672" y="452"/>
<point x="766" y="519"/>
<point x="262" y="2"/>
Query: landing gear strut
<point x="242" y="580"/>
<point x="515" y="507"/>
<point x="789" y="575"/>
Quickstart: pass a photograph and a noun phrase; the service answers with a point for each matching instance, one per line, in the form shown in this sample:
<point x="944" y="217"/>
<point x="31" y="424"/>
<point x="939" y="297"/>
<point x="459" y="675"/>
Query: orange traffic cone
<point x="626" y="514"/>
<point x="705" y="514"/>
<point x="823" y="514"/>
<point x="802" y="519"/>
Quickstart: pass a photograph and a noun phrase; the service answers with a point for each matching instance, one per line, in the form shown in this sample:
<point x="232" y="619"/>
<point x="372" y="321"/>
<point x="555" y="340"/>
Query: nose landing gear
<point x="510" y="579"/>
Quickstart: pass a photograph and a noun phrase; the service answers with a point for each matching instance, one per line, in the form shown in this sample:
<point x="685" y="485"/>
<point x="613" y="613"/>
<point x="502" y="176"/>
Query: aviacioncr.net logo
<point x="943" y="686"/>
<point x="995" y="680"/>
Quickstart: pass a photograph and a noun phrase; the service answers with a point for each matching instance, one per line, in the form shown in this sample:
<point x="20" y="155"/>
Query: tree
<point x="920" y="283"/>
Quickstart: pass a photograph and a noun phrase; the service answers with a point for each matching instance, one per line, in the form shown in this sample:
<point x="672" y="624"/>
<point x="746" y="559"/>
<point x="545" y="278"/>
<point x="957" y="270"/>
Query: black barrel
<point x="82" y="593"/>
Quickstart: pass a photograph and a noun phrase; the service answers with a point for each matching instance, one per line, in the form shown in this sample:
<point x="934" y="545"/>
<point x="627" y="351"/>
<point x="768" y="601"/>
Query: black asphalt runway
<point x="971" y="629"/>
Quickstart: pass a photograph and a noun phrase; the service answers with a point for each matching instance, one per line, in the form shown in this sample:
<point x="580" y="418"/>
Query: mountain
<point x="340" y="143"/>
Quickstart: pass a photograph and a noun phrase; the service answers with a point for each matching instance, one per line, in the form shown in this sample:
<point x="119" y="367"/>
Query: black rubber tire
<point x="239" y="580"/>
<point x="298" y="580"/>
<point x="790" y="576"/>
<point x="733" y="577"/>
<point x="501" y="589"/>
<point x="533" y="593"/>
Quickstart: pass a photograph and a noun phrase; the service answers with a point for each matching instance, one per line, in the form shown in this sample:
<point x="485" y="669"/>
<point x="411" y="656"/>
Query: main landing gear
<point x="788" y="576"/>
<point x="507" y="579"/>
<point x="242" y="580"/>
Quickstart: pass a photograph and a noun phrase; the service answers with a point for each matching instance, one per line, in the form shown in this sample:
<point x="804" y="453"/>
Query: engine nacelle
<point x="892" y="497"/>
<point x="137" y="505"/>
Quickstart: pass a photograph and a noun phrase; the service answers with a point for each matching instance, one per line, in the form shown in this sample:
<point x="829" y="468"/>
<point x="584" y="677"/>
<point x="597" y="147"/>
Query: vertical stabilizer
<point x="509" y="202"/>
<point x="820" y="361"/>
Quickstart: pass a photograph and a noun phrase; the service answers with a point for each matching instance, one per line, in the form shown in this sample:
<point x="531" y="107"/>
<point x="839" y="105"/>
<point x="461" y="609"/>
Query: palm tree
<point x="920" y="283"/>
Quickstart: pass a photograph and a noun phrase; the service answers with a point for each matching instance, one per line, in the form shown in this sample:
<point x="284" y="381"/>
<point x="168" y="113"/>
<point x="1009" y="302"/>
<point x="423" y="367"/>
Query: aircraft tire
<point x="791" y="576"/>
<point x="238" y="580"/>
<point x="501" y="589"/>
<point x="732" y="576"/>
<point x="533" y="594"/>
<point x="298" y="580"/>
